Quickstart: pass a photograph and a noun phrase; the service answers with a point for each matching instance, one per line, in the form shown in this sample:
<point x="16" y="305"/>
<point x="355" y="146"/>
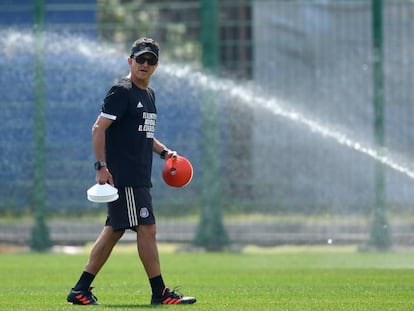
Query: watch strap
<point x="163" y="154"/>
<point x="99" y="165"/>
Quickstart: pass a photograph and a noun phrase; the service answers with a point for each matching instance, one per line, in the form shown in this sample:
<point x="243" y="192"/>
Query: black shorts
<point x="133" y="208"/>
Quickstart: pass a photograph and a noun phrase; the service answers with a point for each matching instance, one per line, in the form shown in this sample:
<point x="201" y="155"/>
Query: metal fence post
<point x="40" y="234"/>
<point x="380" y="233"/>
<point x="211" y="233"/>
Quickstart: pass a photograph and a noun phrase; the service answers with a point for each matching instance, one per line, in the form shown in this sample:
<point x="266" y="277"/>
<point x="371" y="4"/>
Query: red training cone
<point x="177" y="172"/>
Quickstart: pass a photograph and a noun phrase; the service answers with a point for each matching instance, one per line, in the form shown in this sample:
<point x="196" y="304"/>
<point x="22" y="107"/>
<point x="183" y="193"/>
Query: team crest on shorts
<point x="143" y="212"/>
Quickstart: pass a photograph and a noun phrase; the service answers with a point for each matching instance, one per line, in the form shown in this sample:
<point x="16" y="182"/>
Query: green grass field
<point x="284" y="279"/>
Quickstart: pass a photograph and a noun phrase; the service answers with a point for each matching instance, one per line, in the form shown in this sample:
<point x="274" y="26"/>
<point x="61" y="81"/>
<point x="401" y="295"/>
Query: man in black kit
<point x="123" y="144"/>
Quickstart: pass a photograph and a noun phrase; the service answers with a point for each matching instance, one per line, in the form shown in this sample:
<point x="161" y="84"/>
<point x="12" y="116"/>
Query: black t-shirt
<point x="129" y="139"/>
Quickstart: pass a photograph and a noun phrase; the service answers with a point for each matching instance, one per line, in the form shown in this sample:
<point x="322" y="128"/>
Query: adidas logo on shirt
<point x="139" y="105"/>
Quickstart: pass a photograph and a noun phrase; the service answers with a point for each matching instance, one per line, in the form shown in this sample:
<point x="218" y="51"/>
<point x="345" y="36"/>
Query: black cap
<point x="143" y="46"/>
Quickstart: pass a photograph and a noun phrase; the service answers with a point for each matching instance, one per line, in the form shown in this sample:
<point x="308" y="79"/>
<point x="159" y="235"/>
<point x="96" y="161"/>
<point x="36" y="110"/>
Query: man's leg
<point x="102" y="249"/>
<point x="81" y="293"/>
<point x="148" y="250"/>
<point x="148" y="253"/>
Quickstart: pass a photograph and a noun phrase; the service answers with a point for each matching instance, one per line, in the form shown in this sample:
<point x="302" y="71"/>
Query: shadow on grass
<point x="132" y="306"/>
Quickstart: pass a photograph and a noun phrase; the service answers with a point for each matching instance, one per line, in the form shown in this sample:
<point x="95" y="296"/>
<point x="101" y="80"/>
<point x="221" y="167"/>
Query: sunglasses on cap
<point x="141" y="59"/>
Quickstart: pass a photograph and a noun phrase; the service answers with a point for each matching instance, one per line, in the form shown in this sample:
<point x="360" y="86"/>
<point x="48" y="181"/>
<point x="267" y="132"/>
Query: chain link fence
<point x="293" y="102"/>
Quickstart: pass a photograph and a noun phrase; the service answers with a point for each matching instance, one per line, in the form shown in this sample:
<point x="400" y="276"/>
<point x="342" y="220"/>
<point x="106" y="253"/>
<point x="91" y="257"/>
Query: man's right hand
<point x="103" y="176"/>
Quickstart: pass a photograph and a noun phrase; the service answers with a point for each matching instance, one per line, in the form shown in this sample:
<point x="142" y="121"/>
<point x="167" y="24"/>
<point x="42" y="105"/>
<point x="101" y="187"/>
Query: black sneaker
<point x="82" y="297"/>
<point x="171" y="298"/>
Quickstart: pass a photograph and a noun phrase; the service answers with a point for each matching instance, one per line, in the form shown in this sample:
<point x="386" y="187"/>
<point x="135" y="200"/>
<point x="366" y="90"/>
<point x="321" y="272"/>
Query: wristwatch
<point x="99" y="165"/>
<point x="163" y="154"/>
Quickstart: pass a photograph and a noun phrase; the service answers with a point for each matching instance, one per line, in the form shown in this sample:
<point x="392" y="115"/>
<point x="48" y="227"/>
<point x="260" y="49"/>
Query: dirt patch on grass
<point x="7" y="248"/>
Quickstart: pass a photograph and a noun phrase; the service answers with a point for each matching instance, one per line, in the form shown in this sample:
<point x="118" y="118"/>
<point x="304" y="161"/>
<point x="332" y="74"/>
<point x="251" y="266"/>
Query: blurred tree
<point x="173" y="24"/>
